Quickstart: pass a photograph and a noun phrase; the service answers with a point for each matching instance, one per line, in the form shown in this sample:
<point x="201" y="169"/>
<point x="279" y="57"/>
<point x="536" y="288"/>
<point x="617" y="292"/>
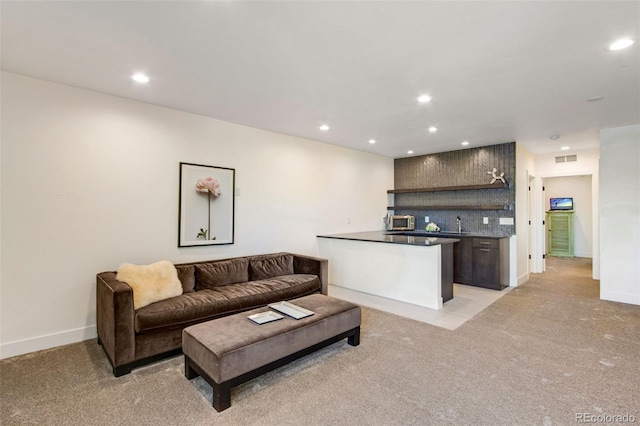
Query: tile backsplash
<point x="458" y="168"/>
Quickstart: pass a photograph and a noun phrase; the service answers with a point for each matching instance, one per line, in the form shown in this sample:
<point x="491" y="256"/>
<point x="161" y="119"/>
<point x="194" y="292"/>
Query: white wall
<point x="620" y="214"/>
<point x="578" y="187"/>
<point x="90" y="181"/>
<point x="546" y="165"/>
<point x="525" y="166"/>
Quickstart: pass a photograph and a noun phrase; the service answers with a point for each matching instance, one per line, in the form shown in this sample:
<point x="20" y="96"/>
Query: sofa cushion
<point x="192" y="308"/>
<point x="284" y="287"/>
<point x="212" y="274"/>
<point x="187" y="276"/>
<point x="269" y="266"/>
<point x="178" y="311"/>
<point x="150" y="283"/>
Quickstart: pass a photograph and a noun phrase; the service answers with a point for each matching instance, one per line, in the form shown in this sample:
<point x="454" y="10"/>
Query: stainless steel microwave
<point x="401" y="223"/>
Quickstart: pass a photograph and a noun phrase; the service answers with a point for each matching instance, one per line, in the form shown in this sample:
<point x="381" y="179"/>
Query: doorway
<point x="579" y="189"/>
<point x="585" y="190"/>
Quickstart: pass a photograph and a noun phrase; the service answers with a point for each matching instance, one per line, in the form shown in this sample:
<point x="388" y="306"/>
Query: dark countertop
<point x="447" y="234"/>
<point x="394" y="238"/>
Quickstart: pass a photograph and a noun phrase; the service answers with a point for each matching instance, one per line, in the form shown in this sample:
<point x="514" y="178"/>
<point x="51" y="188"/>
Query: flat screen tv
<point x="561" y="203"/>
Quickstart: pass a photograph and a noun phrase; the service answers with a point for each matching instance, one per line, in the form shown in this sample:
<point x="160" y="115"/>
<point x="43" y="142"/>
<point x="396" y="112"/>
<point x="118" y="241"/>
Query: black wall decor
<point x="206" y="205"/>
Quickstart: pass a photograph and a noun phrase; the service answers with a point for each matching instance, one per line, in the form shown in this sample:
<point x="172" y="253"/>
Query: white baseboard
<point x="583" y="254"/>
<point x="616" y="296"/>
<point x="48" y="341"/>
<point x="523" y="279"/>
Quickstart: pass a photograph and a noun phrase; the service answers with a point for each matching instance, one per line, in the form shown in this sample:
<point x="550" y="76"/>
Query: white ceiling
<point x="497" y="71"/>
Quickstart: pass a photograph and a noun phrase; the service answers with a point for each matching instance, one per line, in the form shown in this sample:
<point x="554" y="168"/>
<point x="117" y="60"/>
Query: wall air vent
<point x="566" y="159"/>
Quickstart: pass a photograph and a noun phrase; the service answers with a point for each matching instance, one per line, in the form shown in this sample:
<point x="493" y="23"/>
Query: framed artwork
<point x="207" y="203"/>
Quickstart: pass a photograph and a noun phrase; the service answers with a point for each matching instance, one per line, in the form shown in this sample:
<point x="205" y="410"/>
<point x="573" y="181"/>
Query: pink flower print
<point x="210" y="185"/>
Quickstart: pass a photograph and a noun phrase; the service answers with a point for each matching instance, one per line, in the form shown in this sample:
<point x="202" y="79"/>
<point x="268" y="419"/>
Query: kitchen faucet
<point x="459" y="223"/>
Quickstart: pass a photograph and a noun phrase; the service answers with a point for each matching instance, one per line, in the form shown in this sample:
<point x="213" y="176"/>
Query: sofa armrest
<point x="115" y="320"/>
<point x="312" y="265"/>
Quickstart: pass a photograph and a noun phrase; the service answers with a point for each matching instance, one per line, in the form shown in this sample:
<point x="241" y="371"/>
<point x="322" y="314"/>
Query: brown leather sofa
<point x="211" y="289"/>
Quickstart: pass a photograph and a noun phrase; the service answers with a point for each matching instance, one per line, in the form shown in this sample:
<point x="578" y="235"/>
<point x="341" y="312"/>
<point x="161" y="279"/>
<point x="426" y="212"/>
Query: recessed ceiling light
<point x="423" y="99"/>
<point x="372" y="141"/>
<point x="595" y="99"/>
<point x="140" y="78"/>
<point x="409" y="152"/>
<point x="465" y="143"/>
<point x="433" y="129"/>
<point x="621" y="44"/>
<point x="565" y="148"/>
<point x="324" y="127"/>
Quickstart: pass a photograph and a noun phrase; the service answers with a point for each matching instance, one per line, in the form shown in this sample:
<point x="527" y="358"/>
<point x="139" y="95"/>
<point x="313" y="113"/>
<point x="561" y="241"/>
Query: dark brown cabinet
<point x="486" y="263"/>
<point x="447" y="271"/>
<point x="490" y="263"/>
<point x="482" y="262"/>
<point x="462" y="261"/>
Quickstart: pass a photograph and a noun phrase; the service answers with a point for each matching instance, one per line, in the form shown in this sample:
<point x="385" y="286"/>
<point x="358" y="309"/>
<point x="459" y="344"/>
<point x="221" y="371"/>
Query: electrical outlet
<point x="426" y="219"/>
<point x="348" y="220"/>
<point x="485" y="220"/>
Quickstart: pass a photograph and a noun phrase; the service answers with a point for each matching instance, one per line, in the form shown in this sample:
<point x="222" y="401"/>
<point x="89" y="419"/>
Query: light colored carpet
<point x="541" y="354"/>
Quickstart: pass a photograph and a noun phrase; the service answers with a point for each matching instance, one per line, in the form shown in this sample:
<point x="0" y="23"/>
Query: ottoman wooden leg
<point x="354" y="339"/>
<point x="221" y="399"/>
<point x="189" y="372"/>
<point x="221" y="396"/>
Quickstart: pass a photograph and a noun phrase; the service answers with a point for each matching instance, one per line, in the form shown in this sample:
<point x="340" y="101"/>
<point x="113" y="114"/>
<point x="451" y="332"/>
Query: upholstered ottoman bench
<point x="231" y="350"/>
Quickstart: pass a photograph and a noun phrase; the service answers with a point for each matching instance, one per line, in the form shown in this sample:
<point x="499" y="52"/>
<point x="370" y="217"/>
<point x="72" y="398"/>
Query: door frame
<point x="539" y="264"/>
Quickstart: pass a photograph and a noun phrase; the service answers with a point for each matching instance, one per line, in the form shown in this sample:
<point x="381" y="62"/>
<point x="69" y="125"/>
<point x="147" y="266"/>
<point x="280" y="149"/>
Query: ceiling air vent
<point x="566" y="159"/>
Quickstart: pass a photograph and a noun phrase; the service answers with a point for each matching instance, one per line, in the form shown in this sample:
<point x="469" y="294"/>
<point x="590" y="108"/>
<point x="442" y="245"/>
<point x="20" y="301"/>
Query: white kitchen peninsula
<point x="412" y="269"/>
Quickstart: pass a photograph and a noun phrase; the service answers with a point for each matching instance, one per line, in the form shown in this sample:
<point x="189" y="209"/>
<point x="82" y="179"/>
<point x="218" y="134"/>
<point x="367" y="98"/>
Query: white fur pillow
<point x="150" y="283"/>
